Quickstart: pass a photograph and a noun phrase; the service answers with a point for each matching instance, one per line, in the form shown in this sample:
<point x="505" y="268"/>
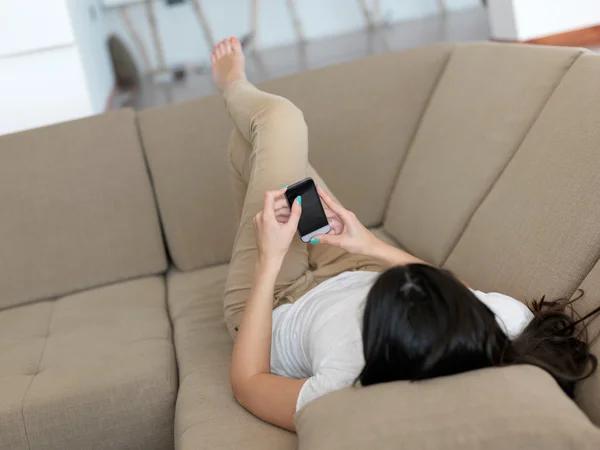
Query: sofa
<point x="117" y="229"/>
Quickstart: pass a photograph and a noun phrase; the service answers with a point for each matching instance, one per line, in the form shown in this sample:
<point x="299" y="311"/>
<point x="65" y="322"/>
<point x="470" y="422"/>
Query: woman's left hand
<point x="274" y="237"/>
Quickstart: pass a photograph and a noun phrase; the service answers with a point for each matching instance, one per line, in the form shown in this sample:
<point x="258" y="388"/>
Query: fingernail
<point x="314" y="241"/>
<point x="284" y="186"/>
<point x="320" y="185"/>
<point x="299" y="200"/>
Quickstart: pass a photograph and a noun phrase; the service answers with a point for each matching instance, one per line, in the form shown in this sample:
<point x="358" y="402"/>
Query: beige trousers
<point x="269" y="149"/>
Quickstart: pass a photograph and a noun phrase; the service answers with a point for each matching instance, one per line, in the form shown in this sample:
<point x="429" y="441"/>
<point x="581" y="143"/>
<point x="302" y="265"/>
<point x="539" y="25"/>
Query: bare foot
<point x="227" y="63"/>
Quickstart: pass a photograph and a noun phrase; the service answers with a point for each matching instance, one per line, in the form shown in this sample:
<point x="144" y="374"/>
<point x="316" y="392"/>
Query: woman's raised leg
<point x="269" y="149"/>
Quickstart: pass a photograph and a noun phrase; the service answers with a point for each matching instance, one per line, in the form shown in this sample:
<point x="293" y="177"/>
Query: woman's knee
<point x="281" y="111"/>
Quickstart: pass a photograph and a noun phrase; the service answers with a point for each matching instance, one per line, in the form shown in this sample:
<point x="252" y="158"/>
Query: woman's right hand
<point x="346" y="230"/>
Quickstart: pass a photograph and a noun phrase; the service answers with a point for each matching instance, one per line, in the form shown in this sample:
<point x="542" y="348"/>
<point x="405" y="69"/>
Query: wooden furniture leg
<point x="135" y="35"/>
<point x="203" y="20"/>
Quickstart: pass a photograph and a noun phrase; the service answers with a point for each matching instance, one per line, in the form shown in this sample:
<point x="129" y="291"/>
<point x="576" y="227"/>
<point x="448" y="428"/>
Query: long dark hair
<point x="421" y="322"/>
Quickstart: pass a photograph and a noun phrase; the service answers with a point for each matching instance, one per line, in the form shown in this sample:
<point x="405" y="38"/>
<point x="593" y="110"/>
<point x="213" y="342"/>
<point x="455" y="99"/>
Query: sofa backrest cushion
<point x="362" y="117"/>
<point x="484" y="105"/>
<point x="538" y="231"/>
<point x="359" y="131"/>
<point x="186" y="145"/>
<point x="519" y="407"/>
<point x="588" y="395"/>
<point x="77" y="209"/>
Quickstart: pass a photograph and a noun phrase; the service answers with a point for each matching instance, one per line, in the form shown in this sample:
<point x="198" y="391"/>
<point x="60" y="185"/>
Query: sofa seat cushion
<point x="91" y="370"/>
<point x="519" y="407"/>
<point x="207" y="414"/>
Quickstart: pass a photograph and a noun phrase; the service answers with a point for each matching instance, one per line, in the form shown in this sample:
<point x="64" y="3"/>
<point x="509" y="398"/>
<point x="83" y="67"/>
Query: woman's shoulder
<point x="511" y="314"/>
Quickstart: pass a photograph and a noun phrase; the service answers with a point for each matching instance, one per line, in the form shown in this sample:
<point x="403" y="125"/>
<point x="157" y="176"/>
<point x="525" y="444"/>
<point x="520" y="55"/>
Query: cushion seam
<point x="167" y="251"/>
<point x="50" y="316"/>
<point x="494" y="182"/>
<point x="413" y="138"/>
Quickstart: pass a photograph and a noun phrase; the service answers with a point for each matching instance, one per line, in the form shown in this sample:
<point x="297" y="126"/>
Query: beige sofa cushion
<point x="517" y="408"/>
<point x="207" y="415"/>
<point x="381" y="234"/>
<point x="362" y="117"/>
<point x="366" y="134"/>
<point x="537" y="232"/>
<point x="588" y="396"/>
<point x="91" y="370"/>
<point x="76" y="209"/>
<point x="486" y="101"/>
<point x="186" y="145"/>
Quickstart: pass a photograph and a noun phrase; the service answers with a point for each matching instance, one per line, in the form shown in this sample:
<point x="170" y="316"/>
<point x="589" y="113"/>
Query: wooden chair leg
<point x="135" y="35"/>
<point x="156" y="42"/>
<point x="367" y="13"/>
<point x="204" y="23"/>
<point x="292" y="6"/>
<point x="443" y="6"/>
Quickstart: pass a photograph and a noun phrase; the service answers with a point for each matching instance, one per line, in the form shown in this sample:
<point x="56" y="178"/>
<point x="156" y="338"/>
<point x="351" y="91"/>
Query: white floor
<point x="462" y="26"/>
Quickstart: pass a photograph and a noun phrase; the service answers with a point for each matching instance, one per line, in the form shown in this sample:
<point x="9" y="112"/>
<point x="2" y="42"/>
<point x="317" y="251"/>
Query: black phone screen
<point x="313" y="216"/>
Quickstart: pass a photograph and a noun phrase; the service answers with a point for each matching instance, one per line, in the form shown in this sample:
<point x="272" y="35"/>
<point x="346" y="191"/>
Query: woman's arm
<point x="348" y="233"/>
<point x="269" y="397"/>
<point x="391" y="256"/>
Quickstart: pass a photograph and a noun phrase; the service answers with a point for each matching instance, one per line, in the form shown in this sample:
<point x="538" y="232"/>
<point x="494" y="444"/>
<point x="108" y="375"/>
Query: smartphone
<point x="313" y="220"/>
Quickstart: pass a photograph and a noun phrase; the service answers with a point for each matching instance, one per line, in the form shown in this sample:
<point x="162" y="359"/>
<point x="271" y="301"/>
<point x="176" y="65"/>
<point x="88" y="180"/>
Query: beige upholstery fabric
<point x="589" y="391"/>
<point x="484" y="105"/>
<point x="517" y="408"/>
<point x="380" y="233"/>
<point x="76" y="209"/>
<point x="186" y="146"/>
<point x="365" y="134"/>
<point x="537" y="231"/>
<point x="91" y="370"/>
<point x="207" y="415"/>
<point x="361" y="118"/>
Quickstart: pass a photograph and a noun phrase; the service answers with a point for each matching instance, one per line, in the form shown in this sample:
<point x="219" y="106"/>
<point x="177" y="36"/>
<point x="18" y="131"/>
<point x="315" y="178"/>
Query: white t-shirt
<point x="319" y="337"/>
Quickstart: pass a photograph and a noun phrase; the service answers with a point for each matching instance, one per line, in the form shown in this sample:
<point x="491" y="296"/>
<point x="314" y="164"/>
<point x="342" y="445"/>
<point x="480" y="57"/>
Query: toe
<point x="235" y="45"/>
<point x="213" y="59"/>
<point x="222" y="48"/>
<point x="227" y="45"/>
<point x="217" y="51"/>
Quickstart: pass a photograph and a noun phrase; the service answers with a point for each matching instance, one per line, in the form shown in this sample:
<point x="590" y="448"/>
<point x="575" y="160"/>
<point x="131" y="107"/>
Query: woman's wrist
<point x="268" y="265"/>
<point x="376" y="248"/>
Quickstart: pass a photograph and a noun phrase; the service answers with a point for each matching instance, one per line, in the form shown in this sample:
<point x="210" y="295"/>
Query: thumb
<point x="330" y="239"/>
<point x="295" y="213"/>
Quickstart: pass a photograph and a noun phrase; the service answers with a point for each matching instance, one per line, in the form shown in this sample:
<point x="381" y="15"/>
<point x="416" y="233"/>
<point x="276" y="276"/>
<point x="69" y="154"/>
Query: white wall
<point x="54" y="65"/>
<point x="87" y="18"/>
<point x="522" y="20"/>
<point x="33" y="25"/>
<point x="503" y="23"/>
<point x="184" y="42"/>
<point x="42" y="88"/>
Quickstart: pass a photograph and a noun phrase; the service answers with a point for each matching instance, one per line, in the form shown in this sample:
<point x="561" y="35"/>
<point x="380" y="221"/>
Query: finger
<point x="295" y="213"/>
<point x="331" y="203"/>
<point x="281" y="202"/>
<point x="336" y="226"/>
<point x="283" y="212"/>
<point x="329" y="239"/>
<point x="269" y="205"/>
<point x="331" y="215"/>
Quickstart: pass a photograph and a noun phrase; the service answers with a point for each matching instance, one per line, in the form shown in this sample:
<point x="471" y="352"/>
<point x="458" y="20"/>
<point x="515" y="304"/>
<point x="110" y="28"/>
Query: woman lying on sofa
<point x="308" y="320"/>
